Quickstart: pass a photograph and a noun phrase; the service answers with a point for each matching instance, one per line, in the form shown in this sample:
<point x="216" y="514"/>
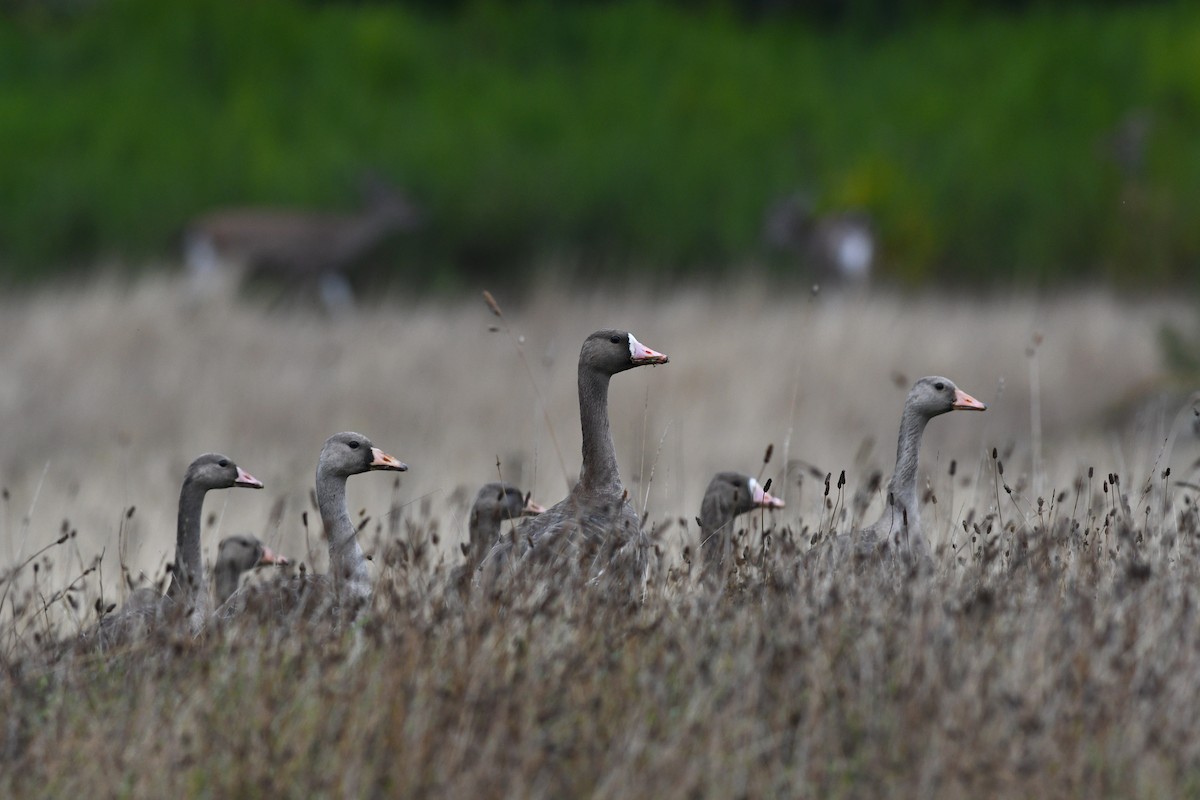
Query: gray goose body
<point x="596" y="519"/>
<point x="728" y="495"/>
<point x="898" y="529"/>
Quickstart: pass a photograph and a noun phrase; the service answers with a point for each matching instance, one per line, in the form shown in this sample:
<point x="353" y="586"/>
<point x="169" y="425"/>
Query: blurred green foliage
<point x="626" y="135"/>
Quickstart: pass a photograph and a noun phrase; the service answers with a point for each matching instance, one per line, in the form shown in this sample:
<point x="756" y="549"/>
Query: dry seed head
<point x="491" y="303"/>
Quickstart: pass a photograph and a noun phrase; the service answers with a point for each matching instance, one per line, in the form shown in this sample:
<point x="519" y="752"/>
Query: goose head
<point x="349" y="453"/>
<point x="743" y="491"/>
<point x="613" y="351"/>
<point x="215" y="471"/>
<point x="500" y="501"/>
<point x="244" y="552"/>
<point x="936" y="395"/>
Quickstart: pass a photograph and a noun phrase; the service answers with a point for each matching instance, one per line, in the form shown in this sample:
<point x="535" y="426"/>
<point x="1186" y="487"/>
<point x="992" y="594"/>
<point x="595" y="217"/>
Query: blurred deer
<point x="308" y="248"/>
<point x="837" y="246"/>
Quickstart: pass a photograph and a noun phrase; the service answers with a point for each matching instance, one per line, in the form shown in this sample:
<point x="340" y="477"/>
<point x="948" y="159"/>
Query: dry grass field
<point x="1054" y="652"/>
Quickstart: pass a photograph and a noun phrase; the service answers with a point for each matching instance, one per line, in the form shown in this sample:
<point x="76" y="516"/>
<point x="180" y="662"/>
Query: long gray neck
<point x="716" y="514"/>
<point x="599" y="461"/>
<point x="483" y="531"/>
<point x="903" y="485"/>
<point x="226" y="575"/>
<point x="347" y="564"/>
<point x="187" y="578"/>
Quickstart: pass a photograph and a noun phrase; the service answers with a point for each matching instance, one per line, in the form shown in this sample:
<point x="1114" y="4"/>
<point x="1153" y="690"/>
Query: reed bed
<point x="1052" y="652"/>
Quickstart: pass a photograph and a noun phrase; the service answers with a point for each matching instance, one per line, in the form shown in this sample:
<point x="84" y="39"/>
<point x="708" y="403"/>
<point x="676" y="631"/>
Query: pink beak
<point x="762" y="497"/>
<point x="639" y="354"/>
<point x="269" y="556"/>
<point x="381" y="460"/>
<point x="532" y="509"/>
<point x="964" y="402"/>
<point x="246" y="479"/>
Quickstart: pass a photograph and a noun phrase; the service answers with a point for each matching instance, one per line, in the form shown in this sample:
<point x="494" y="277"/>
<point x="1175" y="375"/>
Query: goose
<point x="209" y="471"/>
<point x="495" y="502"/>
<point x="237" y="555"/>
<point x="344" y="591"/>
<point x="345" y="454"/>
<point x="728" y="495"/>
<point x="597" y="511"/>
<point x="898" y="528"/>
<point x="187" y="590"/>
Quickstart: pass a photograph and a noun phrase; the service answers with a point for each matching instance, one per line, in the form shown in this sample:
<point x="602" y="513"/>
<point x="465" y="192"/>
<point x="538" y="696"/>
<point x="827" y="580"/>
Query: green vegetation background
<point x="624" y="135"/>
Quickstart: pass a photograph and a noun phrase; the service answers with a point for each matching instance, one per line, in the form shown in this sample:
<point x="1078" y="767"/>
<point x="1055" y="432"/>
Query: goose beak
<point x="532" y="509"/>
<point x="762" y="498"/>
<point x="246" y="479"/>
<point x="381" y="460"/>
<point x="269" y="556"/>
<point x="639" y="354"/>
<point x="964" y="402"/>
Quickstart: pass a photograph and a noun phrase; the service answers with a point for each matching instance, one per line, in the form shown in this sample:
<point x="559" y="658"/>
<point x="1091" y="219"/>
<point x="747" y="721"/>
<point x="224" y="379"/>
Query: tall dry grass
<point x="1053" y="652"/>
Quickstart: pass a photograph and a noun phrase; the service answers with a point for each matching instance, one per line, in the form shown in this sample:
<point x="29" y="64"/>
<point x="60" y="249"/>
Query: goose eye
<point x="939" y="386"/>
<point x="352" y="445"/>
<point x="615" y="339"/>
<point x="223" y="463"/>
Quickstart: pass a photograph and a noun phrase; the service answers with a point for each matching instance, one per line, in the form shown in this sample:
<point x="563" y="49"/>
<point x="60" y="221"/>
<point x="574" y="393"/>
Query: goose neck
<point x="347" y="564"/>
<point x="904" y="477"/>
<point x="226" y="577"/>
<point x="599" y="460"/>
<point x="187" y="578"/>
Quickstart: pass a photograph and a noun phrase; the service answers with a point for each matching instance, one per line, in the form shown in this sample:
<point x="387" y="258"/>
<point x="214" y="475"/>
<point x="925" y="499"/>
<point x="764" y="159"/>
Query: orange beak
<point x="964" y="402"/>
<point x="381" y="460"/>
